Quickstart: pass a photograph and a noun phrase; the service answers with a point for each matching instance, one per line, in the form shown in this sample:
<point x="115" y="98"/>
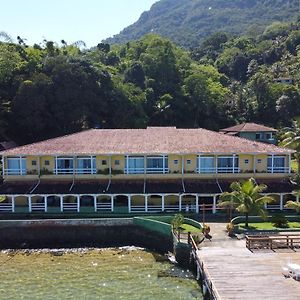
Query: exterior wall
<point x="252" y="136"/>
<point x="121" y="159"/>
<point x="263" y="166"/>
<point x="51" y="165"/>
<point x="172" y="167"/>
<point x="99" y="165"/>
<point x="246" y="168"/>
<point x="190" y="167"/>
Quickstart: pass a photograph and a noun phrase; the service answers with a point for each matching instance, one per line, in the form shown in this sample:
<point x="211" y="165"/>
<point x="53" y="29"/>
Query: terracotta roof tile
<point x="155" y="140"/>
<point x="248" y="127"/>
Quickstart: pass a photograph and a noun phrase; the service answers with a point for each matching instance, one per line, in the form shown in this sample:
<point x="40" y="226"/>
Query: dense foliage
<point x="188" y="22"/>
<point x="49" y="90"/>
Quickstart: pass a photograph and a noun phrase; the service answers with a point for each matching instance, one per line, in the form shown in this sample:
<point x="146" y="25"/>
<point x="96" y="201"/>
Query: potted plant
<point x="230" y="228"/>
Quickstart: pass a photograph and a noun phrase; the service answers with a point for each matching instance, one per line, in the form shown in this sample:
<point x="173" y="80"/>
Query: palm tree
<point x="246" y="198"/>
<point x="293" y="205"/>
<point x="291" y="139"/>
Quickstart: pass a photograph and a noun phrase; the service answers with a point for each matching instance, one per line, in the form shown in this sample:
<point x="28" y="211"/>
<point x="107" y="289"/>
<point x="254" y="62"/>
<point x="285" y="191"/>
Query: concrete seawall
<point x="80" y="233"/>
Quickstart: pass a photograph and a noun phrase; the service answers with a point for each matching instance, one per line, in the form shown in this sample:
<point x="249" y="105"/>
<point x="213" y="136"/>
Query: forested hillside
<point x="48" y="90"/>
<point x="188" y="22"/>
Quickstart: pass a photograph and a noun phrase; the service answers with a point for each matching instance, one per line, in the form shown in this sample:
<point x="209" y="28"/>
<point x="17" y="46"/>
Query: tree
<point x="291" y="139"/>
<point x="246" y="198"/>
<point x="177" y="222"/>
<point x="293" y="205"/>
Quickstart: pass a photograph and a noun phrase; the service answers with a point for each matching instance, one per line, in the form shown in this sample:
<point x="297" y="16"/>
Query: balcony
<point x="148" y="170"/>
<point x="276" y="170"/>
<point x="220" y="170"/>
<point x="15" y="171"/>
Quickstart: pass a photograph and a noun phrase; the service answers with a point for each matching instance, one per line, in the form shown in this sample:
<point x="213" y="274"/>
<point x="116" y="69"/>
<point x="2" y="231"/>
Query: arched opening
<point x="87" y="203"/>
<point x="21" y="204"/>
<point x="103" y="203"/>
<point x="6" y="204"/>
<point x="138" y="203"/>
<point x="121" y="204"/>
<point x="206" y="203"/>
<point x="288" y="197"/>
<point x="154" y="203"/>
<point x="53" y="204"/>
<point x="188" y="203"/>
<point x="69" y="203"/>
<point x="38" y="203"/>
<point x="172" y="203"/>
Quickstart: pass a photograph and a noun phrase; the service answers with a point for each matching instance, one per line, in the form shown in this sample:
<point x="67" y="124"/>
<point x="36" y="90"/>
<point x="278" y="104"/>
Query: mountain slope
<point x="188" y="22"/>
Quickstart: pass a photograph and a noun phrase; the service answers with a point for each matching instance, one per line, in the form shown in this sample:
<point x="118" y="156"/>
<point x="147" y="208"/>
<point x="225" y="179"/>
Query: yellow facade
<point x="175" y="164"/>
<point x="190" y="163"/>
<point x="47" y="163"/>
<point x="246" y="163"/>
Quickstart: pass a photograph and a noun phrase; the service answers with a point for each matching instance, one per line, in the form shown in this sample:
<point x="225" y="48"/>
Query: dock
<point x="234" y="272"/>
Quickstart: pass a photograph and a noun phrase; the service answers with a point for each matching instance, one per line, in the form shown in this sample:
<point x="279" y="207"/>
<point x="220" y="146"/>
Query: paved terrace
<point x="240" y="274"/>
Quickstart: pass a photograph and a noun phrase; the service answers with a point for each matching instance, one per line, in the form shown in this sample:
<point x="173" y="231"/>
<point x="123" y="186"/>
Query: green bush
<point x="280" y="221"/>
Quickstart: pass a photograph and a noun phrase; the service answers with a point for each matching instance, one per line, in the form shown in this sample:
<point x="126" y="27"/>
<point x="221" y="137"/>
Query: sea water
<point x="116" y="273"/>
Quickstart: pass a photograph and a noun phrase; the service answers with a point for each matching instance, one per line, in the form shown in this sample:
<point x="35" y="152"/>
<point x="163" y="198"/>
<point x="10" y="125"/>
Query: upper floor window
<point x="269" y="136"/>
<point x="206" y="164"/>
<point x="228" y="164"/>
<point x="64" y="165"/>
<point x="86" y="165"/>
<point x="157" y="164"/>
<point x="134" y="165"/>
<point x="277" y="164"/>
<point x="258" y="136"/>
<point x="16" y="166"/>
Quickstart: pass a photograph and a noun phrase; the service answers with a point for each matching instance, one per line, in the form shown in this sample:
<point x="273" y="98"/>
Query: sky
<point x="71" y="20"/>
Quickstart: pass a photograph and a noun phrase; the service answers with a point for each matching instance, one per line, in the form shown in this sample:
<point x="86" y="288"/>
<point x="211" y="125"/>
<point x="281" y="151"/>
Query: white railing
<point x="274" y="206"/>
<point x="171" y="207"/>
<point x="69" y="206"/>
<point x="64" y="171"/>
<point x="103" y="206"/>
<point x="38" y="207"/>
<point x="206" y="170"/>
<point x="6" y="207"/>
<point x="148" y="170"/>
<point x="154" y="208"/>
<point x="228" y="170"/>
<point x="86" y="171"/>
<point x="278" y="170"/>
<point x="15" y="171"/>
<point x="138" y="208"/>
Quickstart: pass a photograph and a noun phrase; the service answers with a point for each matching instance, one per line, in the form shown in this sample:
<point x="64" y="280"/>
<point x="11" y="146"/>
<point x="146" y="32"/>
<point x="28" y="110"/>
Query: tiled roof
<point x="154" y="140"/>
<point x="248" y="127"/>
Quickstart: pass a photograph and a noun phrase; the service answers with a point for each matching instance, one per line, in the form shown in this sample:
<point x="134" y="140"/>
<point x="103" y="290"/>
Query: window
<point x="157" y="164"/>
<point x="16" y="166"/>
<point x="47" y="162"/>
<point x="64" y="165"/>
<point x="258" y="136"/>
<point x="117" y="162"/>
<point x="175" y="161"/>
<point x="246" y="161"/>
<point x="228" y="164"/>
<point x="134" y="165"/>
<point x="259" y="161"/>
<point x="276" y="164"/>
<point x="206" y="164"/>
<point x="33" y="163"/>
<point x="269" y="136"/>
<point x="86" y="165"/>
<point x="188" y="162"/>
<point x="104" y="162"/>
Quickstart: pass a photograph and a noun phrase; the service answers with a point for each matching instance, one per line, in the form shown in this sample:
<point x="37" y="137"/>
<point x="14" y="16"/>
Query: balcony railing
<point x="86" y="171"/>
<point x="227" y="170"/>
<point x="278" y="170"/>
<point x="15" y="171"/>
<point x="80" y="171"/>
<point x="148" y="171"/>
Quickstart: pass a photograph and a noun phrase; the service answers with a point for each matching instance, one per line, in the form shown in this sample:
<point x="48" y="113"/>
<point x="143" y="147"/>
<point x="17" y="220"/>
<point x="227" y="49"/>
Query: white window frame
<point x="91" y="169"/>
<point x="201" y="170"/>
<point x="64" y="171"/>
<point x="129" y="170"/>
<point x="272" y="169"/>
<point x="19" y="170"/>
<point x="233" y="169"/>
<point x="162" y="170"/>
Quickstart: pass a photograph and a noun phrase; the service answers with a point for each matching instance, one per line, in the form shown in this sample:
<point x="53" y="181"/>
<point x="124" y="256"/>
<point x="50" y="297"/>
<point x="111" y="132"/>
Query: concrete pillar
<point x="112" y="202"/>
<point x="146" y="203"/>
<point x="214" y="210"/>
<point x="197" y="204"/>
<point x="45" y="203"/>
<point x="95" y="203"/>
<point x="78" y="203"/>
<point x="129" y="203"/>
<point x="61" y="198"/>
<point x="180" y="202"/>
<point x="13" y="203"/>
<point x="163" y="203"/>
<point x="281" y="201"/>
<point x="29" y="204"/>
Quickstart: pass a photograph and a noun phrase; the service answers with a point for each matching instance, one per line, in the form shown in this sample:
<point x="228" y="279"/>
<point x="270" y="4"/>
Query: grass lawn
<point x="190" y="228"/>
<point x="269" y="226"/>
